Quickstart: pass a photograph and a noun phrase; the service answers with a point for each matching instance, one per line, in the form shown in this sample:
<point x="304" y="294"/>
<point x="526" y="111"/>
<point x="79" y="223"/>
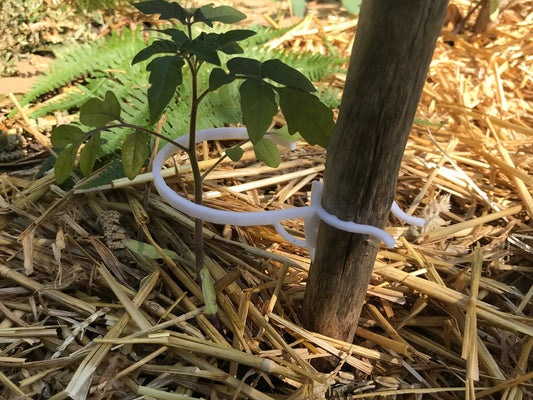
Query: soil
<point x="27" y="71"/>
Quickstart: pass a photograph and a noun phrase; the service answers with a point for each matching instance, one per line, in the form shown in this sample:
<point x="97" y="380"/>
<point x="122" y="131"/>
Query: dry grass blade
<point x="79" y="385"/>
<point x="207" y="348"/>
<point x="445" y="232"/>
<point x="161" y="394"/>
<point x="130" y="307"/>
<point x="165" y="173"/>
<point x="396" y="346"/>
<point x="142" y="362"/>
<point x="470" y="341"/>
<point x="347" y="357"/>
<point x="68" y="301"/>
<point x="8" y="383"/>
<point x="232" y="382"/>
<point x="505" y="385"/>
<point x="266" y="182"/>
<point x="29" y="332"/>
<point x="85" y="316"/>
<point x="453" y="297"/>
<point x="408" y="391"/>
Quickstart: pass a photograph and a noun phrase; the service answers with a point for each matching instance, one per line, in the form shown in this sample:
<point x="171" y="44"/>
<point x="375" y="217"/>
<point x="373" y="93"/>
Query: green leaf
<point x="165" y="76"/>
<point x="208" y="290"/>
<point x="258" y="105"/>
<point x="147" y="250"/>
<point x="210" y="39"/>
<point x="63" y="135"/>
<point x="134" y="153"/>
<point x="200" y="17"/>
<point x="352" y="6"/>
<point x="157" y="47"/>
<point x="234" y="153"/>
<point x="178" y="36"/>
<point x="89" y="153"/>
<point x="203" y="51"/>
<point x="267" y="151"/>
<point x="298" y="7"/>
<point x="65" y="163"/>
<point x="282" y="137"/>
<point x="231" y="48"/>
<point x="227" y="42"/>
<point x="219" y="78"/>
<point x="281" y="73"/>
<point x="166" y="9"/>
<point x="307" y="115"/>
<point x="244" y="66"/>
<point x="235" y="35"/>
<point x="97" y="113"/>
<point x="224" y="14"/>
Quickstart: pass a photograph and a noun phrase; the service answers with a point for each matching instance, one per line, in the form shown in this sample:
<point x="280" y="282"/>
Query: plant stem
<point x="156" y="134"/>
<point x="198" y="223"/>
<point x="216" y="164"/>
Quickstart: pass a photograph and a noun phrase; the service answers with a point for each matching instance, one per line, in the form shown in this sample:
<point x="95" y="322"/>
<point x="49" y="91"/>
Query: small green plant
<point x="266" y="87"/>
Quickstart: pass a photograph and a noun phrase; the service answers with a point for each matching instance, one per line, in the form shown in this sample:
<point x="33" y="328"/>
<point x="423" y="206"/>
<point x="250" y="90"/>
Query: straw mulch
<point x="449" y="310"/>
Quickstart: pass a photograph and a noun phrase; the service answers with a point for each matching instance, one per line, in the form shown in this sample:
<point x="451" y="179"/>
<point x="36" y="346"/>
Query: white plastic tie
<point x="312" y="214"/>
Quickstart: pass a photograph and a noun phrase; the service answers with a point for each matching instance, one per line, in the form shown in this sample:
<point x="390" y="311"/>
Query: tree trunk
<point x="393" y="47"/>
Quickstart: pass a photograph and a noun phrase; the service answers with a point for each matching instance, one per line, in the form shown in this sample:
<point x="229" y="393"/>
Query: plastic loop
<point x="312" y="214"/>
<point x="207" y="213"/>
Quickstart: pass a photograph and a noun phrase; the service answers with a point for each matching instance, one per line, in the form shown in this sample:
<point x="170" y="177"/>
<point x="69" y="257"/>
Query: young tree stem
<point x="388" y="67"/>
<point x="198" y="223"/>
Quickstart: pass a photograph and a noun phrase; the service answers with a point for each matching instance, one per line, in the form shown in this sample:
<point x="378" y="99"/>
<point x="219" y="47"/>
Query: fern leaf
<point x="115" y="51"/>
<point x="330" y="95"/>
<point x="67" y="101"/>
<point x="105" y="177"/>
<point x="265" y="34"/>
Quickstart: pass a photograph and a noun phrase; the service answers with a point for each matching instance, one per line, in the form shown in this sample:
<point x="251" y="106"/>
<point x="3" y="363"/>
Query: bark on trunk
<point x="393" y="47"/>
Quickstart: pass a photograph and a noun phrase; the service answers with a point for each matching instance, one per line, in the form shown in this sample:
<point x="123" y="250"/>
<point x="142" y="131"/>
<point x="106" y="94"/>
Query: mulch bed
<point x="88" y="312"/>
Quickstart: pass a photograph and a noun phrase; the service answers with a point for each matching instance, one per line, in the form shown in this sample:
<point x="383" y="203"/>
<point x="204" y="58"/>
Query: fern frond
<point x="65" y="101"/>
<point x="330" y="96"/>
<point x="265" y="34"/>
<point x="114" y="52"/>
<point x="314" y="66"/>
<point x="114" y="171"/>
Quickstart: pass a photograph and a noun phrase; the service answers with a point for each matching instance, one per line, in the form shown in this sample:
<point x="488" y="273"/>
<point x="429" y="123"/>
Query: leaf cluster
<point x="260" y="97"/>
<point x="206" y="14"/>
<point x="260" y="93"/>
<point x="182" y="48"/>
<point x="266" y="87"/>
<point x="98" y="114"/>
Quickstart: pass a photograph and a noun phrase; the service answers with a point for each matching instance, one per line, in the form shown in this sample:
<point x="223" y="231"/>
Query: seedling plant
<point x="265" y="88"/>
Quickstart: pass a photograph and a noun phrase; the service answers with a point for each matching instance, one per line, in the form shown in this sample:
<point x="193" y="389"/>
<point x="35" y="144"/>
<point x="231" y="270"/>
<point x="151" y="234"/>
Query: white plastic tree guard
<point x="312" y="214"/>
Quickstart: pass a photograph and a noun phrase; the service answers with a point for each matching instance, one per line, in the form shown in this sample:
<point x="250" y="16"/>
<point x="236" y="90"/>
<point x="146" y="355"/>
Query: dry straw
<point x="448" y="311"/>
